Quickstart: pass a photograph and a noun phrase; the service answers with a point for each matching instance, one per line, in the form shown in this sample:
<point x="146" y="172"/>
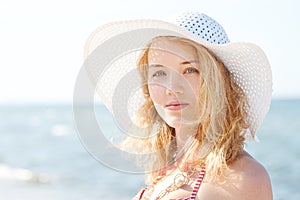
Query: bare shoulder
<point x="249" y="179"/>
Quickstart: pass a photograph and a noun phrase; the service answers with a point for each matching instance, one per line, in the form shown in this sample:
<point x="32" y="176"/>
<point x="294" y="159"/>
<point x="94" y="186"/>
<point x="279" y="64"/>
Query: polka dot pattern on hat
<point x="202" y="26"/>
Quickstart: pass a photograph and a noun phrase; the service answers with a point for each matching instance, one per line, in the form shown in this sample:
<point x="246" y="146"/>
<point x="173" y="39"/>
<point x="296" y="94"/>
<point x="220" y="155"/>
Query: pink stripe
<point x="198" y="183"/>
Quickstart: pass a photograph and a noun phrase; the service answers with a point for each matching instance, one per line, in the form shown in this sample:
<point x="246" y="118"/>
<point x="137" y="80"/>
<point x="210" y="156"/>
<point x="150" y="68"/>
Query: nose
<point x="175" y="84"/>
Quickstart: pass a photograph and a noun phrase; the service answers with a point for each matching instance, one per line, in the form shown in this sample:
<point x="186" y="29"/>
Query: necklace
<point x="180" y="179"/>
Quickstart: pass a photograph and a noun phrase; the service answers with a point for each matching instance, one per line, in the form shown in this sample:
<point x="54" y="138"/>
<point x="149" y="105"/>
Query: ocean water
<point x="42" y="157"/>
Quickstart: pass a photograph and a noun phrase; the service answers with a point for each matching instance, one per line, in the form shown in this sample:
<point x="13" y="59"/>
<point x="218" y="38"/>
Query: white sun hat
<point x="112" y="51"/>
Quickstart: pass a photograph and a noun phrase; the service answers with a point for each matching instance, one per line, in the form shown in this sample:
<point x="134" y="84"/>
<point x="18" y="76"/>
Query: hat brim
<point x="112" y="51"/>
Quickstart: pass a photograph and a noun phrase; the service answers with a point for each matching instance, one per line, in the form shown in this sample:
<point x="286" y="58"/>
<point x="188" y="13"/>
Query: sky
<point x="42" y="42"/>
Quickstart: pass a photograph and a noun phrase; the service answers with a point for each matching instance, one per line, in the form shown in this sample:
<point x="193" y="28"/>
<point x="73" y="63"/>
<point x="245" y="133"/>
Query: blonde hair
<point x="219" y="137"/>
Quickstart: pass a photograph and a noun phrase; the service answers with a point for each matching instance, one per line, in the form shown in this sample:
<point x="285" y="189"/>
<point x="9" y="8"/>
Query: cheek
<point x="195" y="84"/>
<point x="156" y="94"/>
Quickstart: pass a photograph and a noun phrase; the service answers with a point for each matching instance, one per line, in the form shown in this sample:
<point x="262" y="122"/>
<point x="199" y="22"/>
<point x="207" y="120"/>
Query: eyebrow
<point x="182" y="63"/>
<point x="188" y="62"/>
<point x="156" y="65"/>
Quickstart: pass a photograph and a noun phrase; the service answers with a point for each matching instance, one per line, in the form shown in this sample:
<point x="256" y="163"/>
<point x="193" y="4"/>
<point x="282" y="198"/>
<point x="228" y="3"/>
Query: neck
<point x="183" y="134"/>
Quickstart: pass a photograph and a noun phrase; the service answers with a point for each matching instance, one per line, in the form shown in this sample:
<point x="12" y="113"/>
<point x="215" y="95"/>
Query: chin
<point x="174" y="123"/>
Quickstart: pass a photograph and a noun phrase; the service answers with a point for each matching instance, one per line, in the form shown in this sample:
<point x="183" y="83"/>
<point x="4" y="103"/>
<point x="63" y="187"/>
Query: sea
<point x="43" y="157"/>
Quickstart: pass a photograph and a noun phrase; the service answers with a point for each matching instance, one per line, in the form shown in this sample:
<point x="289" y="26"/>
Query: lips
<point x="176" y="105"/>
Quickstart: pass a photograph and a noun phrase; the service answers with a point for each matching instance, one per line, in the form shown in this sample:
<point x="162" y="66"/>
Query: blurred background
<point x="41" y="47"/>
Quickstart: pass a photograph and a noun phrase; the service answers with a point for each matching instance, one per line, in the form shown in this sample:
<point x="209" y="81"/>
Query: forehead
<point x="161" y="51"/>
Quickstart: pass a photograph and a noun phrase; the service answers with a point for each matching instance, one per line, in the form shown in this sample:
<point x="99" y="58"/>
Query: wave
<point x="21" y="174"/>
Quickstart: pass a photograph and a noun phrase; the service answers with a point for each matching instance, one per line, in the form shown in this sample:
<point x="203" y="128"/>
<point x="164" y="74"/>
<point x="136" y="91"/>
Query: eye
<point x="159" y="74"/>
<point x="191" y="70"/>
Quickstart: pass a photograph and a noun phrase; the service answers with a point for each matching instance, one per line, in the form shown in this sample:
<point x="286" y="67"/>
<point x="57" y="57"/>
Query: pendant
<point x="180" y="180"/>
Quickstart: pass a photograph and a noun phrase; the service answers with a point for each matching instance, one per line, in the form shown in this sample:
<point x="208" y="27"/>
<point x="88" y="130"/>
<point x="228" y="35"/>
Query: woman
<point x="203" y="97"/>
<point x="195" y="96"/>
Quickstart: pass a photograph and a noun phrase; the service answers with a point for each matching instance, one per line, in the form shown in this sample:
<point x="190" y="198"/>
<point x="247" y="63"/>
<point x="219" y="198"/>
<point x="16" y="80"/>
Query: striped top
<point x="193" y="193"/>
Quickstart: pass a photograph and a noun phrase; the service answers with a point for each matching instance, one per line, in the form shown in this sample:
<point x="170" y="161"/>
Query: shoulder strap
<point x="198" y="183"/>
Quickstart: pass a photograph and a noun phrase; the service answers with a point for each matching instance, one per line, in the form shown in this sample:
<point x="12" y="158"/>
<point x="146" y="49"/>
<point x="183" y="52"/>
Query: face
<point x="173" y="82"/>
